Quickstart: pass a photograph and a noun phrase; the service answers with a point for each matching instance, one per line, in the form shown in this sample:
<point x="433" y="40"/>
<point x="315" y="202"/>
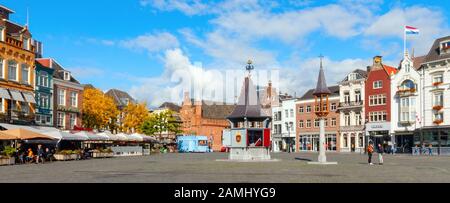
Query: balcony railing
<point x="17" y="117"/>
<point x="14" y="42"/>
<point x="350" y="104"/>
<point x="406" y="92"/>
<point x="17" y="43"/>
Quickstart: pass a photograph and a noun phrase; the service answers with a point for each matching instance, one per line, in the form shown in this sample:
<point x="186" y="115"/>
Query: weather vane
<point x="249" y="66"/>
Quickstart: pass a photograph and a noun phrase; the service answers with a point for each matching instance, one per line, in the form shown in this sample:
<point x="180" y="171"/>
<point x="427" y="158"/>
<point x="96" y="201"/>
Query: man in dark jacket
<point x="40" y="154"/>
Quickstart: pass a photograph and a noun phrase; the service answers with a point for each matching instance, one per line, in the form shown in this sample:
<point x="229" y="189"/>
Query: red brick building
<point x="378" y="101"/>
<point x="308" y="129"/>
<point x="67" y="97"/>
<point x="205" y="118"/>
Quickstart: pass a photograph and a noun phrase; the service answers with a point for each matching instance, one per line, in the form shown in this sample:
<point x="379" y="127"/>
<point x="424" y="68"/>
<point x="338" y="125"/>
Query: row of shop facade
<point x="401" y="108"/>
<point x="34" y="90"/>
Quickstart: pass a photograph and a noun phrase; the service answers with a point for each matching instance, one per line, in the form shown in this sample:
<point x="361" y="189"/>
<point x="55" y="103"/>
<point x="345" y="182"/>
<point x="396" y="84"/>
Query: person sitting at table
<point x="30" y="156"/>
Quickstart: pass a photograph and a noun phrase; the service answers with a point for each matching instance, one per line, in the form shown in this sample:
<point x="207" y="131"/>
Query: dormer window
<point x="445" y="47"/>
<point x="26" y="43"/>
<point x="66" y="75"/>
<point x="352" y="76"/>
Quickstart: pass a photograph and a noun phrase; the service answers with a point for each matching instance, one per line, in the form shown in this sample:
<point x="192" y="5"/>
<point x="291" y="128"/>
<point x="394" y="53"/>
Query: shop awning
<point x="135" y="137"/>
<point x="23" y="134"/>
<point x="92" y="136"/>
<point x="61" y="135"/>
<point x="109" y="135"/>
<point x="16" y="96"/>
<point x="7" y="137"/>
<point x="122" y="137"/>
<point x="149" y="139"/>
<point x="4" y="93"/>
<point x="29" y="97"/>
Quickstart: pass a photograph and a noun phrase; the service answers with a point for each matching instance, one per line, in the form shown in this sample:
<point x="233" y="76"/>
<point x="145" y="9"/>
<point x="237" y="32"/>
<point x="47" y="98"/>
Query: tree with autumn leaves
<point x="135" y="115"/>
<point x="99" y="111"/>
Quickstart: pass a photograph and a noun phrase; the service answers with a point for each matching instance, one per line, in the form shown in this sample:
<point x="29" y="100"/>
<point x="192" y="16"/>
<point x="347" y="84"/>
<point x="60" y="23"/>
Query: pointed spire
<point x="322" y="87"/>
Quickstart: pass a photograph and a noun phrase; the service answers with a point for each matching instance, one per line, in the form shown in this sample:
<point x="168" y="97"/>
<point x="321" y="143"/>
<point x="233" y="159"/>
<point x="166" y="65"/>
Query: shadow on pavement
<point x="303" y="159"/>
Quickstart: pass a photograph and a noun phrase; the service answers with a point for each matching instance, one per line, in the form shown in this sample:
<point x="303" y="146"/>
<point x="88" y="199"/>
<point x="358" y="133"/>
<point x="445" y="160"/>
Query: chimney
<point x="377" y="60"/>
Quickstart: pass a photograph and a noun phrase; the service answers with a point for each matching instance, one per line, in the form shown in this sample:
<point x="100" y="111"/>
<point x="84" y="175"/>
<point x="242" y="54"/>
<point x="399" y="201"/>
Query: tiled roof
<point x="310" y="93"/>
<point x="249" y="105"/>
<point x="363" y="73"/>
<point x="6" y="8"/>
<point x="120" y="97"/>
<point x="417" y="61"/>
<point x="217" y="111"/>
<point x="171" y="106"/>
<point x="435" y="54"/>
<point x="390" y="70"/>
<point x="59" y="72"/>
<point x="44" y="62"/>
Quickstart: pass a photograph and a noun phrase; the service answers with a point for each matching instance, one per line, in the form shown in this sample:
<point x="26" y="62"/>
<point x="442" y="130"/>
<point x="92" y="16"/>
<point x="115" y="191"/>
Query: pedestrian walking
<point x="370" y="153"/>
<point x="430" y="150"/>
<point x="40" y="154"/>
<point x="380" y="154"/>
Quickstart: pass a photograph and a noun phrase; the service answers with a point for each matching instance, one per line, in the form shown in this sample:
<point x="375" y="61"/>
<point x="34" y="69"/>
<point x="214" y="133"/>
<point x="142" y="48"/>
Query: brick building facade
<point x="67" y="97"/>
<point x="205" y="118"/>
<point x="378" y="101"/>
<point x="307" y="138"/>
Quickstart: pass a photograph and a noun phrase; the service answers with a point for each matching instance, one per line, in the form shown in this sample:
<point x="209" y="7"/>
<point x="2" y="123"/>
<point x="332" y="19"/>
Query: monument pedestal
<point x="249" y="154"/>
<point x="255" y="154"/>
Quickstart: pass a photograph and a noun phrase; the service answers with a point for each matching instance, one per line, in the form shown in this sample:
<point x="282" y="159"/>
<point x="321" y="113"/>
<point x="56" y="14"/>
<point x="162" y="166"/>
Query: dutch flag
<point x="411" y="30"/>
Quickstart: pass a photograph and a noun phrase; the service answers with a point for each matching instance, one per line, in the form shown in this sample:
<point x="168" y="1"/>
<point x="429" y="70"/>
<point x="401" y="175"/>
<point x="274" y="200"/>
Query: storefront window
<point x="361" y="141"/>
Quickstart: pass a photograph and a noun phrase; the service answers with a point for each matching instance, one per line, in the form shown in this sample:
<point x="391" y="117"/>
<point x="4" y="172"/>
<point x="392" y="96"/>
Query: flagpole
<point x="404" y="42"/>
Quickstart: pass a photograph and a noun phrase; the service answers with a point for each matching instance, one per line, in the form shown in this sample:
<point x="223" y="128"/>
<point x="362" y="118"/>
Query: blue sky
<point x="136" y="45"/>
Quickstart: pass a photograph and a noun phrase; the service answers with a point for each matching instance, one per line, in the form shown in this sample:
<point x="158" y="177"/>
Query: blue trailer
<point x="193" y="144"/>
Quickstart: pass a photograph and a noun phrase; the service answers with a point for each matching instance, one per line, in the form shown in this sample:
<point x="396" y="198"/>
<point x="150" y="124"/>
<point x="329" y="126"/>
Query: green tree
<point x="161" y="122"/>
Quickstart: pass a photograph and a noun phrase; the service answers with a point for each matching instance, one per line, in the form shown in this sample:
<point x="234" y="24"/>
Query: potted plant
<point x="437" y="108"/>
<point x="6" y="157"/>
<point x="437" y="84"/>
<point x="103" y="153"/>
<point x="438" y="121"/>
<point x="66" y="155"/>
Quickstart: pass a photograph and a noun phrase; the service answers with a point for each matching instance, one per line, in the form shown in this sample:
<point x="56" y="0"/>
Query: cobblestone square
<point x="203" y="168"/>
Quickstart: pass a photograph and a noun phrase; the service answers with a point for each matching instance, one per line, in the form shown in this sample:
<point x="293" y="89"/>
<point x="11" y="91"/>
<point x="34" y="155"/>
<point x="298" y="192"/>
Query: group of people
<point x="423" y="150"/>
<point x="29" y="156"/>
<point x="371" y="151"/>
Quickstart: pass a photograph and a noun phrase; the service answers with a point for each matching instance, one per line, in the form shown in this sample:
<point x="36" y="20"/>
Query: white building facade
<point x="405" y="105"/>
<point x="284" y="126"/>
<point x="435" y="71"/>
<point x="351" y="112"/>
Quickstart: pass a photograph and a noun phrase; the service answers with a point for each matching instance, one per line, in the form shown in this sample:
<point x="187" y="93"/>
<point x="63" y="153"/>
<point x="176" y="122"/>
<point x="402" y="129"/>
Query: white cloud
<point x="151" y="42"/>
<point x="180" y="75"/>
<point x="430" y="21"/>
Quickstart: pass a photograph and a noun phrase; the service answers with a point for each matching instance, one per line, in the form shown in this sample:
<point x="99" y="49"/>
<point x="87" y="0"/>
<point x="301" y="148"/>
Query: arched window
<point x="408" y="85"/>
